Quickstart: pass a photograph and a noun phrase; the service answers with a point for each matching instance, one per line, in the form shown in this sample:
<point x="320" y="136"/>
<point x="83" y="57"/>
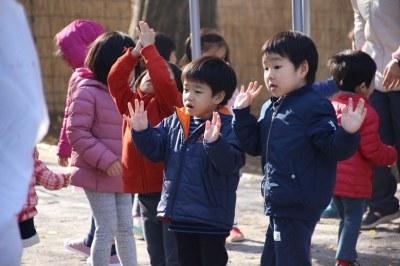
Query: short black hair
<point x="214" y="72"/>
<point x="350" y="68"/>
<point x="165" y="45"/>
<point x="296" y="47"/>
<point x="104" y="51"/>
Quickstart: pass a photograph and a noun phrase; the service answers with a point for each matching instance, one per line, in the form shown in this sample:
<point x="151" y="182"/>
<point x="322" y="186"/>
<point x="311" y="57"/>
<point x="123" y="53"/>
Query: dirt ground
<point x="65" y="214"/>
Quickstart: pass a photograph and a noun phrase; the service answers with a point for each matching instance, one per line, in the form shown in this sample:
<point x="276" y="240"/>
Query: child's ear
<point x="219" y="97"/>
<point x="304" y="68"/>
<point x="361" y="89"/>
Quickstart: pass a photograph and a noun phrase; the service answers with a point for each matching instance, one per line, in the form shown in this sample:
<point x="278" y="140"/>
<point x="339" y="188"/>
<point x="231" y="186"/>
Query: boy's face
<point x="280" y="75"/>
<point x="198" y="100"/>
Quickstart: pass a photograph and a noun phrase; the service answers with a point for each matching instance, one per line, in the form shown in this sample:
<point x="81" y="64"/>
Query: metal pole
<point x="195" y="28"/>
<point x="297" y="19"/>
<point x="306" y="17"/>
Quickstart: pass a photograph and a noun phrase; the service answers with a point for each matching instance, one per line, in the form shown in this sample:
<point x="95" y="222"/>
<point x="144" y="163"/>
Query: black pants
<point x="201" y="249"/>
<point x="27" y="228"/>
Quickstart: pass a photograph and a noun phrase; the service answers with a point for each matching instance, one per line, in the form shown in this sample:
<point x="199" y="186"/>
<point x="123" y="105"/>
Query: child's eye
<point x="198" y="92"/>
<point x="277" y="67"/>
<point x="266" y="69"/>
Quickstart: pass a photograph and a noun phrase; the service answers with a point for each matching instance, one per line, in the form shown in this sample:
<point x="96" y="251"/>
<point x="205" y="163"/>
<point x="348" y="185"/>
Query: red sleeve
<point x="165" y="90"/>
<point x="118" y="81"/>
<point x="371" y="146"/>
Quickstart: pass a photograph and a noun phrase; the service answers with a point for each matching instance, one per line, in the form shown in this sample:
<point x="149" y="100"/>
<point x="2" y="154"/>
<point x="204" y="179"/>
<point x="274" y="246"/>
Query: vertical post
<point x="195" y="28"/>
<point x="306" y="17"/>
<point x="297" y="18"/>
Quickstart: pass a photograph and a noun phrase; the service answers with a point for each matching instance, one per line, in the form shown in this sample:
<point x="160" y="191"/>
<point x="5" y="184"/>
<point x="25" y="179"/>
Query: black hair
<point x="296" y="47"/>
<point x="165" y="45"/>
<point x="350" y="68"/>
<point x="214" y="72"/>
<point x="208" y="38"/>
<point x="177" y="75"/>
<point x="104" y="51"/>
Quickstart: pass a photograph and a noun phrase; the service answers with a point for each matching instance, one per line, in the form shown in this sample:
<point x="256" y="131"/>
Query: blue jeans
<point x="161" y="243"/>
<point x="288" y="242"/>
<point x="350" y="211"/>
<point x="384" y="183"/>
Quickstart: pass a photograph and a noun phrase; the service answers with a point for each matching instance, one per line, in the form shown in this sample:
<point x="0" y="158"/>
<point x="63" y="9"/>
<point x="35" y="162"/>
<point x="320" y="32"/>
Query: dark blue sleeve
<point x="247" y="131"/>
<point x="225" y="153"/>
<point x="327" y="88"/>
<point x="328" y="136"/>
<point x="151" y="142"/>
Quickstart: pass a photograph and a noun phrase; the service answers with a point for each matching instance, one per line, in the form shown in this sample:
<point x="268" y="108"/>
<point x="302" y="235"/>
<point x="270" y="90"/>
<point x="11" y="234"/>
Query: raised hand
<point x="211" y="132"/>
<point x="136" y="50"/>
<point x="245" y="98"/>
<point x="353" y="119"/>
<point x="138" y="117"/>
<point x="391" y="76"/>
<point x="146" y="35"/>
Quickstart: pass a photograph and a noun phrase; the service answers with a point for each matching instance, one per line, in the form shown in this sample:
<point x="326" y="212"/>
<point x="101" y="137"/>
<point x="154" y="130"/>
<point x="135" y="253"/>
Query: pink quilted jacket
<point x="94" y="132"/>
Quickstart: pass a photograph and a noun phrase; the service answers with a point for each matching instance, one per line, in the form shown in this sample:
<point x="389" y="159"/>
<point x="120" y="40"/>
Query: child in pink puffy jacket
<point x="72" y="44"/>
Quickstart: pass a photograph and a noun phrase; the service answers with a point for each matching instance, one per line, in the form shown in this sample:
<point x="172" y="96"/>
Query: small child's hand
<point x="211" y="132"/>
<point x="114" y="169"/>
<point x="353" y="119"/>
<point x="68" y="179"/>
<point x="136" y="50"/>
<point x="146" y="35"/>
<point x="245" y="98"/>
<point x="62" y="161"/>
<point x="138" y="118"/>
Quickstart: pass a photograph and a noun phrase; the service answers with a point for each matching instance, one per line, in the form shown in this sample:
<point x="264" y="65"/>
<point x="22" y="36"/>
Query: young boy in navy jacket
<point x="201" y="161"/>
<point x="299" y="140"/>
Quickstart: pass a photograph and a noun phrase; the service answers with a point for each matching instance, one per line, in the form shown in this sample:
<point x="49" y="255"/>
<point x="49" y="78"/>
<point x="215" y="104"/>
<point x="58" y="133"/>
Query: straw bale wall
<point x="245" y="24"/>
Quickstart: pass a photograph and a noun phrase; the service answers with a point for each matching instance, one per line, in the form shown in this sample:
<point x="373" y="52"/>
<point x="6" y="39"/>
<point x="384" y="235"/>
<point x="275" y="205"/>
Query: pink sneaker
<point x="236" y="235"/>
<point x="78" y="246"/>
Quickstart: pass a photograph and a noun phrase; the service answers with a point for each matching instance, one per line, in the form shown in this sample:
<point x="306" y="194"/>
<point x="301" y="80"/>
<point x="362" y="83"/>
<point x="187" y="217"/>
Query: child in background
<point x="212" y="43"/>
<point x="201" y="161"/>
<point x="353" y="72"/>
<point x="72" y="44"/>
<point x="299" y="141"/>
<point x="49" y="180"/>
<point x="166" y="47"/>
<point x="160" y="93"/>
<point x="93" y="129"/>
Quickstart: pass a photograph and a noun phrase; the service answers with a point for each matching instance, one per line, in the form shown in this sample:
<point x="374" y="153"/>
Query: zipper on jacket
<point x="195" y="134"/>
<point x="274" y="113"/>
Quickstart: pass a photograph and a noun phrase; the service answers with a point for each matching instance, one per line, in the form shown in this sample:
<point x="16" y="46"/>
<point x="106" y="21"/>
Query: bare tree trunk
<point x="172" y="17"/>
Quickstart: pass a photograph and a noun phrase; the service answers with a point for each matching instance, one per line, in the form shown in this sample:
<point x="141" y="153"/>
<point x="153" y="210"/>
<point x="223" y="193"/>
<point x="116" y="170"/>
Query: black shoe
<point x="373" y="219"/>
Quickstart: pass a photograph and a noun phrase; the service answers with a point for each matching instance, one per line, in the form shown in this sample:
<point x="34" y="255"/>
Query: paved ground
<point x="65" y="213"/>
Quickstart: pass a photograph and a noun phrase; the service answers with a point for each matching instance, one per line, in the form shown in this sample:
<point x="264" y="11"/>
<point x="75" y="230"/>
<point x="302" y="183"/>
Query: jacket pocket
<point x="281" y="186"/>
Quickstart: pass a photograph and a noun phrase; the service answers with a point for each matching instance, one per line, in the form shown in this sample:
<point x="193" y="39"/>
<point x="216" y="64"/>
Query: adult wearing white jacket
<point x="377" y="32"/>
<point x="23" y="121"/>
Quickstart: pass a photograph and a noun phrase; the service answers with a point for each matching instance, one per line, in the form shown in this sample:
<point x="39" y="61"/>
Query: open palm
<point x="211" y="132"/>
<point x="138" y="117"/>
<point x="245" y="98"/>
<point x="353" y="119"/>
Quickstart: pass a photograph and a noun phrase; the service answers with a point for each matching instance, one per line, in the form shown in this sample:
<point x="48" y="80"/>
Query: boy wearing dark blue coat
<point x="299" y="140"/>
<point x="201" y="158"/>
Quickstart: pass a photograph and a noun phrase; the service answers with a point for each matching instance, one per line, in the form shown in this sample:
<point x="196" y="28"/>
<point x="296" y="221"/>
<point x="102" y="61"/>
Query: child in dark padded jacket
<point x="300" y="142"/>
<point x="201" y="161"/>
